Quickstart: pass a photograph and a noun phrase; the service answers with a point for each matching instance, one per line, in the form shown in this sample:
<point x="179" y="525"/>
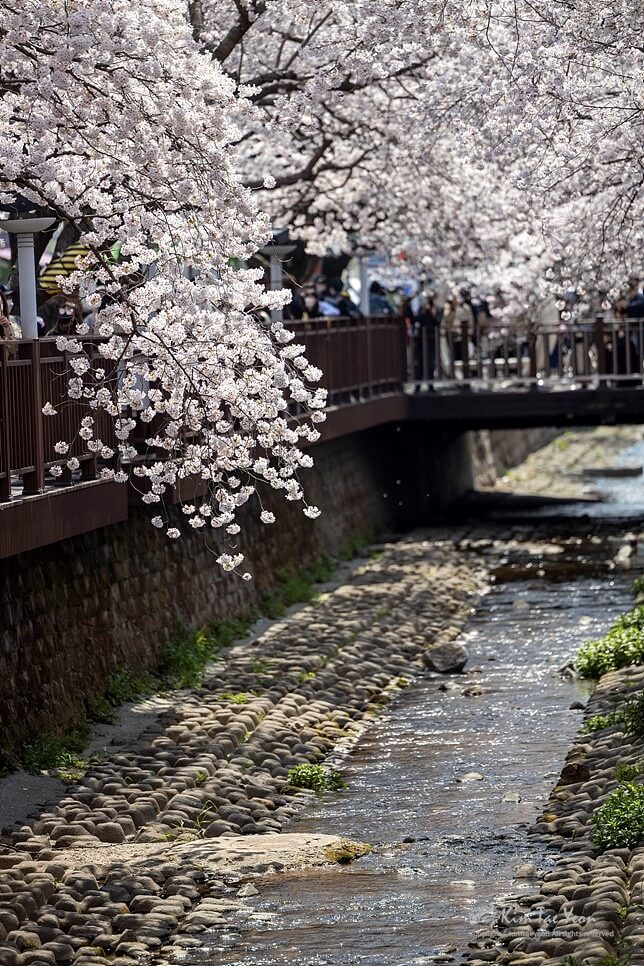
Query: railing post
<point x="34" y="482"/>
<point x="465" y="350"/>
<point x="405" y="375"/>
<point x="532" y="354"/>
<point x="367" y="321"/>
<point x="5" y="455"/>
<point x="601" y="347"/>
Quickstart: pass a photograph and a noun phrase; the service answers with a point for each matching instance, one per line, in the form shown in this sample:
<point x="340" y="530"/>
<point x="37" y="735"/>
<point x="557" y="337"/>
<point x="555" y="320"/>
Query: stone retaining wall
<point x="76" y="610"/>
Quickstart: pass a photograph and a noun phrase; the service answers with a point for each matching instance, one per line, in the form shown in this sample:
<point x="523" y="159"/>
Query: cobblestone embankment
<point x="215" y="766"/>
<point x="589" y="910"/>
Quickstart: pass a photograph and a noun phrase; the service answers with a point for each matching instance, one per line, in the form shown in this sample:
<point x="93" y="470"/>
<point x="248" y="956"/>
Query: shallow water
<point x="420" y="901"/>
<point x="411" y="901"/>
<point x="617" y="497"/>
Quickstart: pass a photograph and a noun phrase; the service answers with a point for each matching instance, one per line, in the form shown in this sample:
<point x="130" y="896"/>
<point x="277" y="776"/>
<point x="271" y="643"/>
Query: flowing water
<point x="444" y="785"/>
<point x="411" y="776"/>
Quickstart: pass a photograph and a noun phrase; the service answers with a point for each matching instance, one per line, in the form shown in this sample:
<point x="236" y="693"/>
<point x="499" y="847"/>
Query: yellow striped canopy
<point x="63" y="264"/>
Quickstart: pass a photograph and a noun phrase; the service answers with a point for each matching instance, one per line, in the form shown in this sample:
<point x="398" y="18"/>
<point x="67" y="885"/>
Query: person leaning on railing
<point x="9" y="330"/>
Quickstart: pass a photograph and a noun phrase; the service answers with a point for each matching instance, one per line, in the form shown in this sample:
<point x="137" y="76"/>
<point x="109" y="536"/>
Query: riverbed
<point x="444" y="786"/>
<point x="446" y="783"/>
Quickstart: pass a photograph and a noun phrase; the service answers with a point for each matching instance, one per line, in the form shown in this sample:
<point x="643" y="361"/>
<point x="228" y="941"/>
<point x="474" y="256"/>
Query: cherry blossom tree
<point x="355" y="100"/>
<point x="564" y="111"/>
<point x="501" y="137"/>
<point x="116" y="121"/>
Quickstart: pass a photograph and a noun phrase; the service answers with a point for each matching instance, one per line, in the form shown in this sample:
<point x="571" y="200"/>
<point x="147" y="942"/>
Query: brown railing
<point x="360" y="358"/>
<point x="589" y="353"/>
<point x="31" y="374"/>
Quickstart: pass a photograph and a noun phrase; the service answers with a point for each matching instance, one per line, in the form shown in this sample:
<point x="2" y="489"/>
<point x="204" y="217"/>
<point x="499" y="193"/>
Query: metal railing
<point x="590" y="353"/>
<point x="31" y="374"/>
<point x="361" y="359"/>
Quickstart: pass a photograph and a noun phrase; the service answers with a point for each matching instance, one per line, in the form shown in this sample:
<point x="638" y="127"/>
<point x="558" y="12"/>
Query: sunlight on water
<point x="447" y="845"/>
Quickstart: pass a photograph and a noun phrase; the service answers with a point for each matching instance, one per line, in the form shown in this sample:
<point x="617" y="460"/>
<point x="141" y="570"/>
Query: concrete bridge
<point x="376" y="374"/>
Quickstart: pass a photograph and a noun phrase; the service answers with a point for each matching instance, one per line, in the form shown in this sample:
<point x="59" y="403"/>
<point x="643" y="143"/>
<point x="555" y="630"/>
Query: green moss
<point x="563" y="442"/>
<point x="346" y="851"/>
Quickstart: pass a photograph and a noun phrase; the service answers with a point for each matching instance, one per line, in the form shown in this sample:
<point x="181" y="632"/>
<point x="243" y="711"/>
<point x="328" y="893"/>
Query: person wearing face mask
<point x="62" y="314"/>
<point x="310" y="305"/>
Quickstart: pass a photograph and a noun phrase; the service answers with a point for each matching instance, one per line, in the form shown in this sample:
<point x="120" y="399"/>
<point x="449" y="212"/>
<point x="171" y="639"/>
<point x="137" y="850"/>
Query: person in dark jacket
<point x="339" y="296"/>
<point x="62" y="313"/>
<point x="378" y="304"/>
<point x="426" y="342"/>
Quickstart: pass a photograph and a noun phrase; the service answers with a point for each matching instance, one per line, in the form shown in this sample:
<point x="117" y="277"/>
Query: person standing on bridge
<point x="458" y="320"/>
<point x="426" y="343"/>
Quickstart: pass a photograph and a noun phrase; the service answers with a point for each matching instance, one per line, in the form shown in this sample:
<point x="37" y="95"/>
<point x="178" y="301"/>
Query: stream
<point x="444" y="785"/>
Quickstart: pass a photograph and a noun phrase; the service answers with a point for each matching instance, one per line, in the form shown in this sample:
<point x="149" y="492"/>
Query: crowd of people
<point x="436" y="327"/>
<point x="323" y="298"/>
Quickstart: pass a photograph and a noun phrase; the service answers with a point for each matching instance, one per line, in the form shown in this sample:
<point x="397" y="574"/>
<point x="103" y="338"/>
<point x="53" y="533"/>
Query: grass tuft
<point x="315" y="777"/>
<point x="622" y="646"/>
<point x="631" y="716"/>
<point x="628" y="773"/>
<point x="619" y="822"/>
<point x="52" y="751"/>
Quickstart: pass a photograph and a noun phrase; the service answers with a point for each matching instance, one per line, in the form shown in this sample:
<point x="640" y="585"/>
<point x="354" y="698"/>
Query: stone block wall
<point x="77" y="610"/>
<point x="496" y="451"/>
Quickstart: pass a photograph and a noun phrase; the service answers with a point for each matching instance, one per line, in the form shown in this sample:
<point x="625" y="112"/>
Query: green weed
<point x="315" y="777"/>
<point x="563" y="442"/>
<point x="353" y="545"/>
<point x="630" y="715"/>
<point x="627" y="773"/>
<point x="122" y="686"/>
<point x="615" y="959"/>
<point x="622" y="646"/>
<point x="50" y="751"/>
<point x="239" y="697"/>
<point x="619" y="822"/>
<point x="600" y="721"/>
<point x="296" y="587"/>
